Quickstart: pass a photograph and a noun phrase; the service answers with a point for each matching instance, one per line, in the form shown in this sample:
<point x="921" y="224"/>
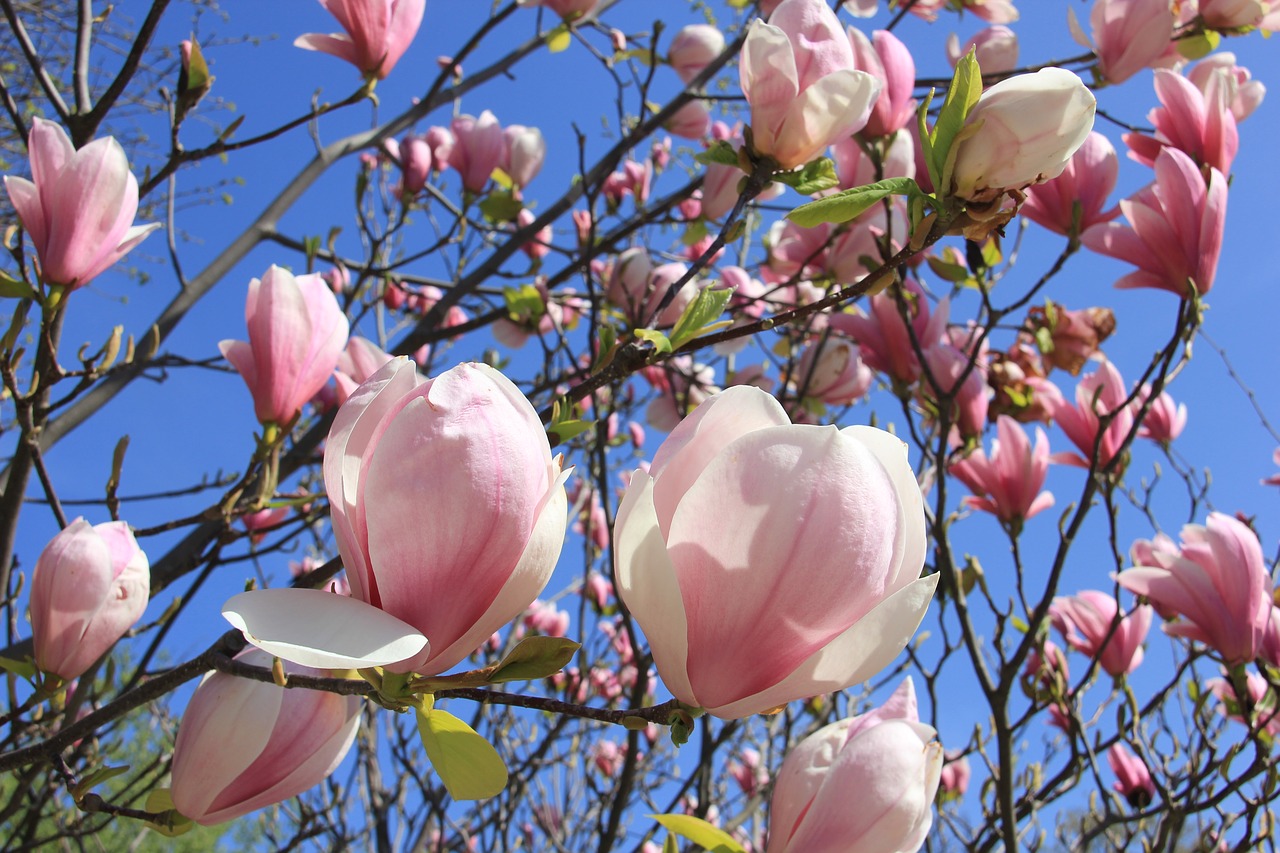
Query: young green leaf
<point x="844" y="206"/>
<point x="699" y="832"/>
<point x="535" y="657"/>
<point x="466" y="763"/>
<point x="660" y="341"/>
<point x="700" y="315"/>
<point x="721" y="152"/>
<point x="814" y="177"/>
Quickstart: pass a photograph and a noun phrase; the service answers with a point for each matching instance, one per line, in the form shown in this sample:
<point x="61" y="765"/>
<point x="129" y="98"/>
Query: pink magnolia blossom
<point x="378" y="32"/>
<point x="797" y="73"/>
<point x="608" y="757"/>
<point x="78" y="207"/>
<point x="296" y="334"/>
<point x="1100" y="393"/>
<point x="953" y="782"/>
<point x="479" y="147"/>
<point x="547" y="619"/>
<point x="748" y="771"/>
<point x="832" y="371"/>
<point x="1261" y="701"/>
<point x="996" y="49"/>
<point x="1133" y="779"/>
<point x="884" y="338"/>
<point x="1200" y="123"/>
<point x="1217" y="583"/>
<point x="1008" y="483"/>
<point x="861" y="785"/>
<point x="525" y="152"/>
<point x="416" y="160"/>
<point x="1174" y="230"/>
<point x="1248" y="93"/>
<point x="855" y="169"/>
<point x="1076" y="200"/>
<point x="967" y="398"/>
<point x="1164" y="420"/>
<point x="691" y="121"/>
<point x="89" y="586"/>
<point x="745" y="606"/>
<point x="889" y="61"/>
<point x="244" y="744"/>
<point x="1128" y="35"/>
<point x="1046" y="675"/>
<point x="693" y="48"/>
<point x="1085" y="621"/>
<point x="449" y="515"/>
<point x="1233" y="14"/>
<point x="359" y="360"/>
<point x="1028" y="128"/>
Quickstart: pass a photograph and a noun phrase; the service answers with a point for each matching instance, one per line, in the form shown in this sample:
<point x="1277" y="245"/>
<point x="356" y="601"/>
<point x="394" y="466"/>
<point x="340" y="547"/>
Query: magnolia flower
<point x="1128" y="35"/>
<point x="822" y="593"/>
<point x="1007" y="484"/>
<point x="1133" y="779"/>
<point x="797" y="73"/>
<point x="378" y="33"/>
<point x="1026" y="129"/>
<point x="996" y="49"/>
<point x="89" y="586"/>
<point x="296" y="335"/>
<point x="1085" y="620"/>
<point x="862" y="785"/>
<point x="246" y="744"/>
<point x="1076" y="200"/>
<point x="693" y="48"/>
<point x="78" y="207"/>
<point x="449" y="514"/>
<point x="1174" y="230"/>
<point x="1197" y="121"/>
<point x="1217" y="582"/>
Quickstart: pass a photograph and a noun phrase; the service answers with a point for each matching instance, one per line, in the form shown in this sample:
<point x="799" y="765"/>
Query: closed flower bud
<point x="89" y="586"/>
<point x="862" y="785"/>
<point x="1025" y="130"/>
<point x="245" y="744"/>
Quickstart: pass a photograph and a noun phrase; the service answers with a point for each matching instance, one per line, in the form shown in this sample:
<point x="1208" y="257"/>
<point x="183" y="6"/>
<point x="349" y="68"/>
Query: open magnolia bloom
<point x="449" y="513"/>
<point x="768" y="561"/>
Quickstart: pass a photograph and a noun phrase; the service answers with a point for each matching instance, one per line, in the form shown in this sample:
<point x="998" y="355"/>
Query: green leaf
<point x="699" y="832"/>
<point x="564" y="424"/>
<point x="700" y="314"/>
<point x="965" y="89"/>
<point x="653" y="336"/>
<point x="500" y="206"/>
<point x="814" y="177"/>
<point x="535" y="657"/>
<point x="524" y="304"/>
<point x="16" y="288"/>
<point x="1199" y="45"/>
<point x="23" y="669"/>
<point x="559" y="39"/>
<point x="96" y="777"/>
<point x="721" y="152"/>
<point x="168" y="821"/>
<point x="466" y="763"/>
<point x="669" y="845"/>
<point x="844" y="206"/>
<point x="693" y="232"/>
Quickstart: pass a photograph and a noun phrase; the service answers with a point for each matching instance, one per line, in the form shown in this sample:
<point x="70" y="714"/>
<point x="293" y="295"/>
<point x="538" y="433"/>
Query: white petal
<point x="316" y="628"/>
<point x="647" y="584"/>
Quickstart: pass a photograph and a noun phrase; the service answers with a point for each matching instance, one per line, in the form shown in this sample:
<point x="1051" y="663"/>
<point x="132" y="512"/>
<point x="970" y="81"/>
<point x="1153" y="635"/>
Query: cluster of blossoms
<point x="746" y="602"/>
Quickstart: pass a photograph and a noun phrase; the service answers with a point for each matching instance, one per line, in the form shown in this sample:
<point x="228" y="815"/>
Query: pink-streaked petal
<point x="529" y="578"/>
<point x="851" y="658"/>
<point x="734" y="412"/>
<point x="25" y="198"/>
<point x="334" y="44"/>
<point x="316" y="628"/>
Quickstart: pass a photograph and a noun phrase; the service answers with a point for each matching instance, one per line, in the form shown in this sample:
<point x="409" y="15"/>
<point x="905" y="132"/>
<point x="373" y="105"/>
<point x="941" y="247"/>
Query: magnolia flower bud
<point x="1023" y="131"/>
